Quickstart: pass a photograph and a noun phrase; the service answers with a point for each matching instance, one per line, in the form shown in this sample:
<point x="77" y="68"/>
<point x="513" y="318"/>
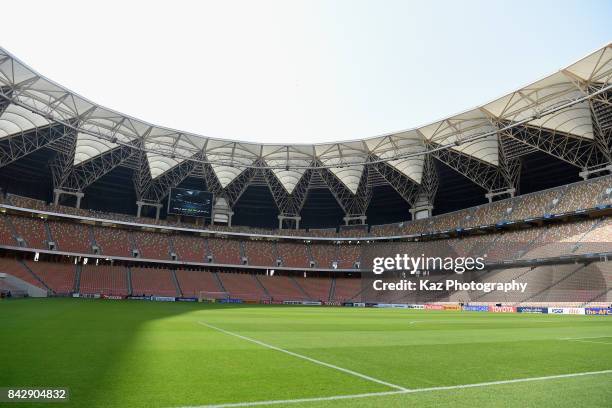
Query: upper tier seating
<point x="324" y="254"/>
<point x="225" y="251"/>
<point x="584" y="195"/>
<point x="294" y="255"/>
<point x="152" y="245"/>
<point x="6" y="234"/>
<point x="260" y="252"/>
<point x="113" y="241"/>
<point x="348" y="255"/>
<point x="26" y="202"/>
<point x="188" y="248"/>
<point x="70" y="237"/>
<point x="587" y="194"/>
<point x="32" y="230"/>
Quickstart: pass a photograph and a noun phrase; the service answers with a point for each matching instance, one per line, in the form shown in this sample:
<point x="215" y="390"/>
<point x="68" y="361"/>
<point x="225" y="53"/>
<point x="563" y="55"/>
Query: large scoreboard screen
<point x="193" y="203"/>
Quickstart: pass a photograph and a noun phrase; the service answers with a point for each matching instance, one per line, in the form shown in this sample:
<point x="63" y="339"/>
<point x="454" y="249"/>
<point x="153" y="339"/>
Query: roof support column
<point x="141" y="204"/>
<point x="423" y="202"/>
<point x="290" y="221"/>
<point x="57" y="193"/>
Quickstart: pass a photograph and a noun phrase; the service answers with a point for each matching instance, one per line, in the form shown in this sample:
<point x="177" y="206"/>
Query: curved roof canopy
<point x="556" y="103"/>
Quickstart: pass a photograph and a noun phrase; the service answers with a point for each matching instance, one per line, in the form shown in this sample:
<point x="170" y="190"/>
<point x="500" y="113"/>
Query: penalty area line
<point x="303" y="357"/>
<point x="400" y="392"/>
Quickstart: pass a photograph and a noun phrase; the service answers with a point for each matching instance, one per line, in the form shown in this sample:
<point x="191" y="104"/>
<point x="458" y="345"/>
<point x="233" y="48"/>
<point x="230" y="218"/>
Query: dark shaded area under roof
<point x="114" y="192"/>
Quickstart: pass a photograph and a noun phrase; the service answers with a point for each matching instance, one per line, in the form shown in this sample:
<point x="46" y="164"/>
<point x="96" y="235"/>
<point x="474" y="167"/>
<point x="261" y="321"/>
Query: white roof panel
<point x="88" y="147"/>
<point x="531" y="103"/>
<point x="16" y="120"/>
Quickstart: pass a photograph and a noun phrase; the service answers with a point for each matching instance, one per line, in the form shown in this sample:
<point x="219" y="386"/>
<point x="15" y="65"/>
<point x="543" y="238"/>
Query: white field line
<point x="588" y="339"/>
<point x="312" y="360"/>
<point x="591" y="341"/>
<point x="406" y="391"/>
<point x="582" y="338"/>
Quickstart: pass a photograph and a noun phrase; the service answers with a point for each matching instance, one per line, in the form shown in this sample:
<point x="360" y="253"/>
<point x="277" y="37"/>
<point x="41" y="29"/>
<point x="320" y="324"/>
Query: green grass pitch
<point x="148" y="354"/>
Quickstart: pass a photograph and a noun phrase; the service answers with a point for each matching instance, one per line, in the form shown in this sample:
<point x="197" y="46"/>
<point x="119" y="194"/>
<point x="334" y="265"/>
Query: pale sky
<point x="300" y="71"/>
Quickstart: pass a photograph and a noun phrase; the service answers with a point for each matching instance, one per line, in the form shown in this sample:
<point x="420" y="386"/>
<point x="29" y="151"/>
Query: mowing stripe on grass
<point x="405" y="391"/>
<point x="312" y="360"/>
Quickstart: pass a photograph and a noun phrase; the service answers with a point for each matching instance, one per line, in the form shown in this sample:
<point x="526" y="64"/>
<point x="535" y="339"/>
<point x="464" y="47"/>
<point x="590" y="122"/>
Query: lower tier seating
<point x="60" y="277"/>
<point x="104" y="279"/>
<point x="149" y="281"/>
<point x="193" y="283"/>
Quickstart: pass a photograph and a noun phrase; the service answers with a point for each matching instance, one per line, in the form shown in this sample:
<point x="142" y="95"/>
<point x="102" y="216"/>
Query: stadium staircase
<point x="602" y="295"/>
<point x="332" y="289"/>
<point x="42" y="282"/>
<point x="549" y="287"/>
<point x="171" y="244"/>
<point x="514" y="277"/>
<point x="580" y="242"/>
<point x="177" y="285"/>
<point x="243" y="252"/>
<point x="486" y="248"/>
<point x="49" y="235"/>
<point x="311" y="258"/>
<point x="262" y="286"/>
<point x="92" y="238"/>
<point x="9" y="223"/>
<point x="77" y="279"/>
<point x="529" y="245"/>
<point x="128" y="276"/>
<point x="219" y="283"/>
<point x="275" y="250"/>
<point x="301" y="289"/>
<point x="551" y="206"/>
<point x="133" y="245"/>
<point x="208" y="251"/>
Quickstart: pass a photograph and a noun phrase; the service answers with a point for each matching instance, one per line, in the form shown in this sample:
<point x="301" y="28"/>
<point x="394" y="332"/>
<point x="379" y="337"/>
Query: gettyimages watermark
<point x="424" y="264"/>
<point x="421" y="267"/>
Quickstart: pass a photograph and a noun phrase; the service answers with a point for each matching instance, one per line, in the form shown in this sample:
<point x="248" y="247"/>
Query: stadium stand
<point x="281" y="288"/>
<point x="345" y="289"/>
<point x="584" y="195"/>
<point x="19" y="270"/>
<point x="189" y="248"/>
<point x="30" y="229"/>
<point x="104" y="279"/>
<point x="151" y="281"/>
<point x="317" y="289"/>
<point x="151" y="245"/>
<point x="243" y="286"/>
<point x="324" y="255"/>
<point x="260" y="252"/>
<point x="58" y="276"/>
<point x="113" y="241"/>
<point x="70" y="237"/>
<point x="348" y="255"/>
<point x="294" y="255"/>
<point x="193" y="283"/>
<point x="225" y="251"/>
<point x="6" y="232"/>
